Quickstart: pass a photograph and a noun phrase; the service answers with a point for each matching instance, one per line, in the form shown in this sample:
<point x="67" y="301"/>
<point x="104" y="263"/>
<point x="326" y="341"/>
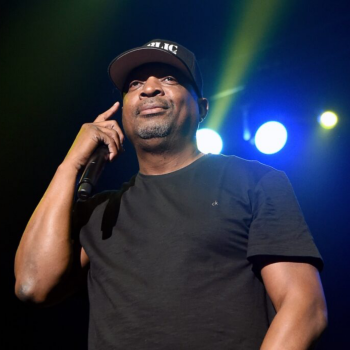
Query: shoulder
<point x="240" y="169"/>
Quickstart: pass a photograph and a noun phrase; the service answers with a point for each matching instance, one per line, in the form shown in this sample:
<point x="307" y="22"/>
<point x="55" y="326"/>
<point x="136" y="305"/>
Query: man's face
<point x="159" y="106"/>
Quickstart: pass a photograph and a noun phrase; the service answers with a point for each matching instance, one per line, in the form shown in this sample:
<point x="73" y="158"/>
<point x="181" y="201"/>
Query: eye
<point x="134" y="84"/>
<point x="170" y="79"/>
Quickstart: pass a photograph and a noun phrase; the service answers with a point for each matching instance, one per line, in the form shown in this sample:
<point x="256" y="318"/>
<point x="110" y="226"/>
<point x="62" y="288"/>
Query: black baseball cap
<point x="157" y="50"/>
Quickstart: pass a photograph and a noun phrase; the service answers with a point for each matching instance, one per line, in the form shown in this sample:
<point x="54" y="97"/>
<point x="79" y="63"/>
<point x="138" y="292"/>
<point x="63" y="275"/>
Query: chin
<point x="154" y="131"/>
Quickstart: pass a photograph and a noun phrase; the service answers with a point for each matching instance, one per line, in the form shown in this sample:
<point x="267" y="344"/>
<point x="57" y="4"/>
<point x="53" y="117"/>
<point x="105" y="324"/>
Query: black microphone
<point x="92" y="172"/>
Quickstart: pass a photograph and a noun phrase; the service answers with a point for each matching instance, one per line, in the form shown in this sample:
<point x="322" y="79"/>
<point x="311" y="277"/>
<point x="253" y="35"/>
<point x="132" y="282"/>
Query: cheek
<point x="125" y="122"/>
<point x="185" y="101"/>
<point x="190" y="105"/>
<point x="126" y="113"/>
<point x="129" y="103"/>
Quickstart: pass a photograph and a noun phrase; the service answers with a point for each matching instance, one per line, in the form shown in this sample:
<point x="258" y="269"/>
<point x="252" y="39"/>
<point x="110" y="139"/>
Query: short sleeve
<point x="83" y="210"/>
<point x="278" y="227"/>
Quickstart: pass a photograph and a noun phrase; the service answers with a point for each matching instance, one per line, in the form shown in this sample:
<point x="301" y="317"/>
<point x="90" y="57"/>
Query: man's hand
<point x="102" y="130"/>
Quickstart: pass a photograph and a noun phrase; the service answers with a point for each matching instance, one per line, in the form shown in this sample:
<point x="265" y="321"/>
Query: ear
<point x="203" y="106"/>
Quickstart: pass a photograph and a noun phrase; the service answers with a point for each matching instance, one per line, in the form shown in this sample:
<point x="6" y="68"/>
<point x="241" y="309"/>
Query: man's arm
<point x="48" y="264"/>
<point x="297" y="295"/>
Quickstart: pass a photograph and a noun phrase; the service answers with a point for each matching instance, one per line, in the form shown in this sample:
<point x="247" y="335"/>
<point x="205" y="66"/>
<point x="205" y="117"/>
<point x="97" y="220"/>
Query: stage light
<point x="328" y="120"/>
<point x="250" y="27"/>
<point x="271" y="137"/>
<point x="209" y="141"/>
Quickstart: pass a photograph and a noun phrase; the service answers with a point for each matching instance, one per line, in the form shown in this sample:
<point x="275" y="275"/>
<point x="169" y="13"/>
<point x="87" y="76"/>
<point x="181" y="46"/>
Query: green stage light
<point x="250" y="28"/>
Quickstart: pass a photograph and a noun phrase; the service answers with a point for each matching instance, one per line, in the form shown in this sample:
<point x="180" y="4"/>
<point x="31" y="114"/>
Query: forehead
<point x="158" y="70"/>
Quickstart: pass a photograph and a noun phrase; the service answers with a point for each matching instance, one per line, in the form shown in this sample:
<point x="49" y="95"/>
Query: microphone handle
<point x="92" y="172"/>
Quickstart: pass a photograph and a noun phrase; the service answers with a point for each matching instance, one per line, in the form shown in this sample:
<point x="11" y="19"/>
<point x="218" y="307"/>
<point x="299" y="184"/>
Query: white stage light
<point x="209" y="141"/>
<point x="271" y="137"/>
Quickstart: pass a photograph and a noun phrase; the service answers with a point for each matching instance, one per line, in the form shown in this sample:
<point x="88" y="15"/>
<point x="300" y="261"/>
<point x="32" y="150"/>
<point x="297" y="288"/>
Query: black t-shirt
<point x="171" y="255"/>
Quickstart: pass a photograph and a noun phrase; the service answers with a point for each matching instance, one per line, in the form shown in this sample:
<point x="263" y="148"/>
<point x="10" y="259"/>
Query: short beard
<point x="158" y="130"/>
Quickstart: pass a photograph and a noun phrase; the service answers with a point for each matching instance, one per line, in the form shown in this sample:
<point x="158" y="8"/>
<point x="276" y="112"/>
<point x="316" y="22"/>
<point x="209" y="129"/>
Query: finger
<point x="113" y="134"/>
<point x="114" y="143"/>
<point x="110" y="143"/>
<point x="109" y="113"/>
<point x="112" y="124"/>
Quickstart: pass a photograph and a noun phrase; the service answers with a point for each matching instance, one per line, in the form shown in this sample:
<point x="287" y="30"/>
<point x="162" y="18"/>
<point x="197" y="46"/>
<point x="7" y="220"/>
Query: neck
<point x="166" y="161"/>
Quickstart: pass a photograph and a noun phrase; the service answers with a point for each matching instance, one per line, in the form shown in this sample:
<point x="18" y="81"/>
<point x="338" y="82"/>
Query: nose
<point x="152" y="87"/>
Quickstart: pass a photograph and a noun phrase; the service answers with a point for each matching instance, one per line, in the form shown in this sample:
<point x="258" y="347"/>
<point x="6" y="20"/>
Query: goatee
<point x="157" y="130"/>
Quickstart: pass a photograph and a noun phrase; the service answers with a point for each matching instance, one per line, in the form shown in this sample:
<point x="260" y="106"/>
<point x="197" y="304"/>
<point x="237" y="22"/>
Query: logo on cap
<point x="165" y="46"/>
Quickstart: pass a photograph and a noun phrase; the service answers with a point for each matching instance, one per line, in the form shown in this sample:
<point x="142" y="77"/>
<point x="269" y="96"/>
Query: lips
<point x="152" y="108"/>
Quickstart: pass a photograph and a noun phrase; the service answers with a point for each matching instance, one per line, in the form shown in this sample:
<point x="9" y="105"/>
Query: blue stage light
<point x="209" y="141"/>
<point x="271" y="137"/>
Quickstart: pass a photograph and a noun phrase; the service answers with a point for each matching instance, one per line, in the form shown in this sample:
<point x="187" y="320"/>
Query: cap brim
<point x="120" y="68"/>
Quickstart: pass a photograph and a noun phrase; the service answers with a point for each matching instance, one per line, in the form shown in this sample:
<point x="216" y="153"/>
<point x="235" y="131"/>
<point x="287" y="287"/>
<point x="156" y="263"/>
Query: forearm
<point x="45" y="251"/>
<point x="296" y="326"/>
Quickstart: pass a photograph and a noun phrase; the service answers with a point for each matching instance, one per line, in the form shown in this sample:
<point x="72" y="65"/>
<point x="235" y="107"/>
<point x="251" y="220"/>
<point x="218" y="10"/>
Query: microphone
<point x="92" y="172"/>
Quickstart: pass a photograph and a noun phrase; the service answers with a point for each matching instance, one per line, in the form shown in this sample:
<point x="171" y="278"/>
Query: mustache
<point x="156" y="101"/>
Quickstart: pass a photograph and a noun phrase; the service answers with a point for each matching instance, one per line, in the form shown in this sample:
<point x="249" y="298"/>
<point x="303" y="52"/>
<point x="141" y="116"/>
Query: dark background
<point x="54" y="57"/>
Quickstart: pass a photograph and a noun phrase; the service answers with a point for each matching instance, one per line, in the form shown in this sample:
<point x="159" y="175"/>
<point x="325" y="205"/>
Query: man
<point x="183" y="255"/>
